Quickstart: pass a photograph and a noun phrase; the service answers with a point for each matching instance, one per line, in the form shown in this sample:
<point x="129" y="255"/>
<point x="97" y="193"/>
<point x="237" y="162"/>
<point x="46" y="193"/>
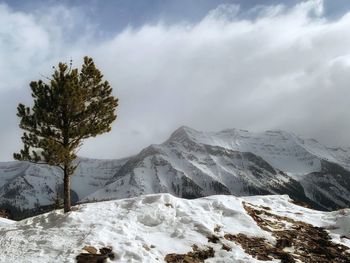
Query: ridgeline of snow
<point x="193" y="164"/>
<point x="147" y="228"/>
<point x="284" y="151"/>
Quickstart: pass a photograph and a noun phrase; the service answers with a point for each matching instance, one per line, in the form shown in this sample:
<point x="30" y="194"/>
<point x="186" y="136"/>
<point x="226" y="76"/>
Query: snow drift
<point x="148" y="228"/>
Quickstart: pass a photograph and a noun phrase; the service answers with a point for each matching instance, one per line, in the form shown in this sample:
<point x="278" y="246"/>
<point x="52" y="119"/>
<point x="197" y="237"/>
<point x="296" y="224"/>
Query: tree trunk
<point x="66" y="185"/>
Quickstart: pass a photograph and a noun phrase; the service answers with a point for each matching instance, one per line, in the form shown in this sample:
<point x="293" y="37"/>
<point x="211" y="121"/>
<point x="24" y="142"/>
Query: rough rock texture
<point x="306" y="242"/>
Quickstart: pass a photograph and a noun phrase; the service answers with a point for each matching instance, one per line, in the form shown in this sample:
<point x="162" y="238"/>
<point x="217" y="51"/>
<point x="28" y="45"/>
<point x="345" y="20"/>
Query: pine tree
<point x="71" y="107"/>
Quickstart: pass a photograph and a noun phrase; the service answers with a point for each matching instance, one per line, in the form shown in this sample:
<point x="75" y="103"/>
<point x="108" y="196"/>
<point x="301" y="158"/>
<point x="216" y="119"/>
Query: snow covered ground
<point x="147" y="228"/>
<point x="6" y="222"/>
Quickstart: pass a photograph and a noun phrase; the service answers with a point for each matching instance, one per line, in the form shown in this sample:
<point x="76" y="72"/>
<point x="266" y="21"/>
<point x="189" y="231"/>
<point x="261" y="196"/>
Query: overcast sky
<point x="208" y="64"/>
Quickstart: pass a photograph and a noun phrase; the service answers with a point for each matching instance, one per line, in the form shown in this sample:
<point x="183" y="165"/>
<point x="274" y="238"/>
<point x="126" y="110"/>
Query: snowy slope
<point x="283" y="150"/>
<point x="147" y="228"/>
<point x="193" y="164"/>
<point x="27" y="186"/>
<point x="5" y="222"/>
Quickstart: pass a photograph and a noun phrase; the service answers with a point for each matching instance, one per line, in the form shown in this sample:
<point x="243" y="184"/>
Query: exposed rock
<point x="226" y="247"/>
<point x="108" y="251"/>
<point x="310" y="243"/>
<point x="283" y="242"/>
<point x="169" y="205"/>
<point x="255" y="246"/>
<point x="90" y="249"/>
<point x="93" y="257"/>
<point x="146" y="247"/>
<point x="217" y="228"/>
<point x="213" y="239"/>
<point x="196" y="256"/>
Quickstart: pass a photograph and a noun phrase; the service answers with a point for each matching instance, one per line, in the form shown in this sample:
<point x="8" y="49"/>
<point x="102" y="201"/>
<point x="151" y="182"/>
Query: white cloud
<point x="284" y="68"/>
<point x="30" y="44"/>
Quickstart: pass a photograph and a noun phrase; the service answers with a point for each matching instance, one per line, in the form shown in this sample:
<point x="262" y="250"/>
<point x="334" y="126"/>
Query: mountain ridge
<point x="187" y="138"/>
<point x="193" y="164"/>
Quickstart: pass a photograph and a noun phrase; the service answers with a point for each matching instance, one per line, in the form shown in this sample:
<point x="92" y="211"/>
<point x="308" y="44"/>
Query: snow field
<point x="146" y="228"/>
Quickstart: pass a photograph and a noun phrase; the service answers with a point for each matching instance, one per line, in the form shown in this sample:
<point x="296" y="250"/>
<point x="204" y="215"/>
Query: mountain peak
<point x="183" y="132"/>
<point x="186" y="129"/>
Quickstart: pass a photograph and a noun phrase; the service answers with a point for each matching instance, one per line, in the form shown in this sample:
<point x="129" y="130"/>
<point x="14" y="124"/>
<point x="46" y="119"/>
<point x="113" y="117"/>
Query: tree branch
<point x="44" y="163"/>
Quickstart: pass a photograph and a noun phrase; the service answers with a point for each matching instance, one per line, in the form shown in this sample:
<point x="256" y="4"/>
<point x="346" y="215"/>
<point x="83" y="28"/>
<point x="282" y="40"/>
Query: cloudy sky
<point x="207" y="64"/>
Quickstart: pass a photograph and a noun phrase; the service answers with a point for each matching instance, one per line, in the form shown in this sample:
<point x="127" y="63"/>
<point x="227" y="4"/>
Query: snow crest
<point x="146" y="228"/>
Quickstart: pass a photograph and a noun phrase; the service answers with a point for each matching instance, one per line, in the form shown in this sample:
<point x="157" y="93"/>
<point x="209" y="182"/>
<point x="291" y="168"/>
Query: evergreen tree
<point x="71" y="107"/>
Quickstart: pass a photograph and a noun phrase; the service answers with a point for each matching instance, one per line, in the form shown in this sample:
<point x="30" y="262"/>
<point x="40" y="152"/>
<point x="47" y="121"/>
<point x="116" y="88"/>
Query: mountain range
<point x="192" y="164"/>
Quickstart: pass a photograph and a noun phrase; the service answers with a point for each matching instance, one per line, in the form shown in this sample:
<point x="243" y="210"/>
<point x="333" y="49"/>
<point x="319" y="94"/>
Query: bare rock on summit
<point x="90" y="249"/>
<point x="93" y="257"/>
<point x="310" y="244"/>
<point x="197" y="256"/>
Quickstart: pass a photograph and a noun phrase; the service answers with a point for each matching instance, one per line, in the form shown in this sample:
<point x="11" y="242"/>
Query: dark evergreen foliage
<point x="72" y="107"/>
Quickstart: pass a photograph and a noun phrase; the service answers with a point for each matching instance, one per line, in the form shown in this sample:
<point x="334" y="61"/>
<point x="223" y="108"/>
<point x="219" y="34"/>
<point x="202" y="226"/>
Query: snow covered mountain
<point x="164" y="228"/>
<point x="26" y="188"/>
<point x="193" y="164"/>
